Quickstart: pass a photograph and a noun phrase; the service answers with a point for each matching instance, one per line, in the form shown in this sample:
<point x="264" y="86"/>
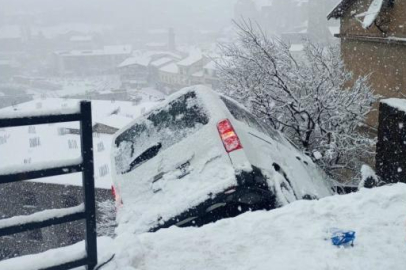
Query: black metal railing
<point x="88" y="212"/>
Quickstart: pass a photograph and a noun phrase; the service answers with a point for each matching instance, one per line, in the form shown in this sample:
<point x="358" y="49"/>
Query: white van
<point x="199" y="157"/>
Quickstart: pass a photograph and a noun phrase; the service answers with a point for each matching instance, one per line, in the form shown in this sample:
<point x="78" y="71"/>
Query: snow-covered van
<point x="200" y="156"/>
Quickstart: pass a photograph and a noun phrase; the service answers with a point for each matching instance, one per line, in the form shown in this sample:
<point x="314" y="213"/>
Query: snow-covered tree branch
<point x="313" y="99"/>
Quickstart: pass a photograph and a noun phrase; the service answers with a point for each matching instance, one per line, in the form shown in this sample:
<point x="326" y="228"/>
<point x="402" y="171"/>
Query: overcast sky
<point x="151" y="13"/>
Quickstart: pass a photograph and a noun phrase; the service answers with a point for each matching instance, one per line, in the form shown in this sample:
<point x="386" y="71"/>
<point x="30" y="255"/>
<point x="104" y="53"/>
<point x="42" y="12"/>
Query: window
<point x="35" y="142"/>
<point x="246" y="117"/>
<point x="73" y="144"/>
<point x="100" y="147"/>
<point x="103" y="170"/>
<point x="164" y="128"/>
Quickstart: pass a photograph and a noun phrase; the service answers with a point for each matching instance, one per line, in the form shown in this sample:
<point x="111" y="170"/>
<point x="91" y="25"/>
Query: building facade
<point x="373" y="42"/>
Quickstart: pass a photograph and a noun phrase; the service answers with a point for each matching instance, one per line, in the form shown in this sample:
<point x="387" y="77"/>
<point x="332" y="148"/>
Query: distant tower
<point x="171" y="40"/>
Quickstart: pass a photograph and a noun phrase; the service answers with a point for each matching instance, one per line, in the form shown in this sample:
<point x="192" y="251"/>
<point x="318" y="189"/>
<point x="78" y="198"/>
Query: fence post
<point x="88" y="183"/>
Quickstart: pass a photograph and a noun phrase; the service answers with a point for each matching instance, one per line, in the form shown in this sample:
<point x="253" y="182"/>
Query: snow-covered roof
<point x="81" y="38"/>
<point x="211" y="65"/>
<point x="193" y="57"/>
<point x="371" y="14"/>
<point x="259" y="4"/>
<point x="397" y="103"/>
<point x="340" y="8"/>
<point x="141" y="60"/>
<point x="66" y="28"/>
<point x="170" y="68"/>
<point x="117" y="49"/>
<point x="334" y="30"/>
<point x="301" y="2"/>
<point x="296" y="47"/>
<point x="161" y="61"/>
<point x="107" y="50"/>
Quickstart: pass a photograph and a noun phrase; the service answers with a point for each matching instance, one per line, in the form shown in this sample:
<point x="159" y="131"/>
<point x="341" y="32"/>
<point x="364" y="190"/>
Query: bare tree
<point x="312" y="99"/>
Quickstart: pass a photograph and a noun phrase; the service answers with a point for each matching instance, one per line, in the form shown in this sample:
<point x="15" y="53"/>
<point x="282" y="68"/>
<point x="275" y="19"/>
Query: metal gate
<point x="88" y="211"/>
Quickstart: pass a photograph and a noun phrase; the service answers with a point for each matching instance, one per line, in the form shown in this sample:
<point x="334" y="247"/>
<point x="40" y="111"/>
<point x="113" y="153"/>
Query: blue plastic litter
<point x="343" y="238"/>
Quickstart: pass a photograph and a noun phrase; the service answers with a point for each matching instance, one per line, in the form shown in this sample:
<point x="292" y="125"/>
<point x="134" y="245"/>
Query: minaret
<point x="171" y="40"/>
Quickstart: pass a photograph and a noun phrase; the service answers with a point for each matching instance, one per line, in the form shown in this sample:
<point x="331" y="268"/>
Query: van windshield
<point x="161" y="129"/>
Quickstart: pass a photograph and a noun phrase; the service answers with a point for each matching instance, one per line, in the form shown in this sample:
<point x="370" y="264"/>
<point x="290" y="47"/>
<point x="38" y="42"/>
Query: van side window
<point x="164" y="127"/>
<point x="244" y="116"/>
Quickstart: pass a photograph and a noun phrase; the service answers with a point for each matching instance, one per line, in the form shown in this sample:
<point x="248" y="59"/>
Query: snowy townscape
<point x="203" y="134"/>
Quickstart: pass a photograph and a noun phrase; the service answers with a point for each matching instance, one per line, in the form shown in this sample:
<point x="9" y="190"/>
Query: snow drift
<point x="296" y="236"/>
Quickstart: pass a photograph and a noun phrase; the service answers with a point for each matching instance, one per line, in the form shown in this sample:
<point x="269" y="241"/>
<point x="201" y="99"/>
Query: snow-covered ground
<point x="296" y="236"/>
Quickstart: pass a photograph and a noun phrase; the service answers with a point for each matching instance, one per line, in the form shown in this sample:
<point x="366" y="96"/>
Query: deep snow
<point x="296" y="236"/>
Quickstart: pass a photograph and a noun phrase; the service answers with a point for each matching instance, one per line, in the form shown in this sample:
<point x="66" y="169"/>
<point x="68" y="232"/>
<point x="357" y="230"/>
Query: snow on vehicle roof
<point x="264" y="239"/>
<point x="397" y="103"/>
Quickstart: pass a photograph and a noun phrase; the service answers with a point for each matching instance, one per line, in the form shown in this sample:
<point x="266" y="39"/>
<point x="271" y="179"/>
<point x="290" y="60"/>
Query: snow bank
<point x="265" y="240"/>
<point x="296" y="236"/>
<point x="54" y="257"/>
